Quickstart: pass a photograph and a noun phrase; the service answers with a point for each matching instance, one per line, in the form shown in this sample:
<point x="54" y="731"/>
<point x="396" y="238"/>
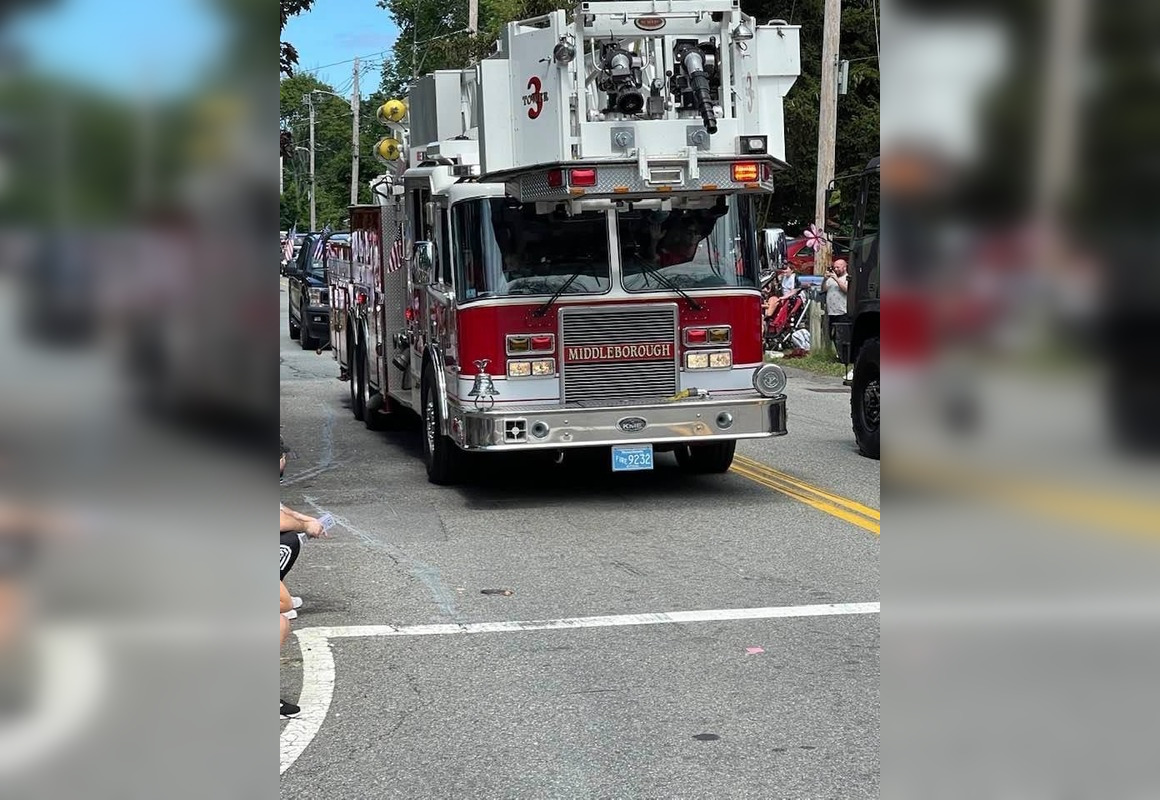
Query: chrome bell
<point x="483" y="391"/>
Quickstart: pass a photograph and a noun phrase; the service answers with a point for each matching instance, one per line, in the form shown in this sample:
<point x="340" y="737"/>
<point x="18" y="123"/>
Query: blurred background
<point x="138" y="398"/>
<point x="1020" y="306"/>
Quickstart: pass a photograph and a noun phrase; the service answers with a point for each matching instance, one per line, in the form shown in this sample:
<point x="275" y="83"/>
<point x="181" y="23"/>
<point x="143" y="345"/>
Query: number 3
<point x="534" y="87"/>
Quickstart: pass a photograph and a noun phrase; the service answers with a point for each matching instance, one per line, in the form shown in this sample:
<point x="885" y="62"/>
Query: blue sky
<point x="337" y="31"/>
<point x="117" y="44"/>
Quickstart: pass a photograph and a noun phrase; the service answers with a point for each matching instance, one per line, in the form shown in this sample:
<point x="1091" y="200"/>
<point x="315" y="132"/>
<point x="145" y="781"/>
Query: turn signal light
<point x="556" y="178"/>
<point x="527" y="343"/>
<point x="744" y="171"/>
<point x="720" y="334"/>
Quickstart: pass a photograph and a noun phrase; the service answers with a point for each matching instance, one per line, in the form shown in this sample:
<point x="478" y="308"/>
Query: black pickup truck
<point x="308" y="316"/>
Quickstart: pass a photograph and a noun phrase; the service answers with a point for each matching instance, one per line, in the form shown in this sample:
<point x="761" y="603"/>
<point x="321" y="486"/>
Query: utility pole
<point x="827" y="133"/>
<point x="354" y="98"/>
<point x="473" y="16"/>
<point x="313" y="217"/>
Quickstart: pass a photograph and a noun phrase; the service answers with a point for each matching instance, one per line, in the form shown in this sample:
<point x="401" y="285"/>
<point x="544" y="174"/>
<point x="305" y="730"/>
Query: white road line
<point x="318" y="660"/>
<point x="718" y="615"/>
<point x="317" y="690"/>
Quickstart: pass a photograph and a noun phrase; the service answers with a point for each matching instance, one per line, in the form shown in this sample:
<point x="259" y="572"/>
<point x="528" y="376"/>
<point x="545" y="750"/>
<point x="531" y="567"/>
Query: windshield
<point x="504" y="249"/>
<point x="702" y="248"/>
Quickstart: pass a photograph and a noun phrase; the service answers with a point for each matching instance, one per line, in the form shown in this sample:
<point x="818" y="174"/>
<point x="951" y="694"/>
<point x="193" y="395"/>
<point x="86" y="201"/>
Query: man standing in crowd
<point x="835" y="285"/>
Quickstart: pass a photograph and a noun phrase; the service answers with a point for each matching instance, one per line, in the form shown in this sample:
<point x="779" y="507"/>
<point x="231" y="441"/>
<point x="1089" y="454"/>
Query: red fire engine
<point x="566" y="252"/>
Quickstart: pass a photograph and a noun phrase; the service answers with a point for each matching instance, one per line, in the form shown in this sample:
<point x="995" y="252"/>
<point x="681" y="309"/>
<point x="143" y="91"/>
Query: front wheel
<point x="706" y="459"/>
<point x="295" y="331"/>
<point x="866" y="399"/>
<point x="441" y="456"/>
<point x="307" y="341"/>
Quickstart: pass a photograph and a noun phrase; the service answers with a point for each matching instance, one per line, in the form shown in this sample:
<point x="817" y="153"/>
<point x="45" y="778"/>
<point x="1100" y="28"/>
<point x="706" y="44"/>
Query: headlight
<point x="722" y="360"/>
<point x="769" y="380"/>
<point x="711" y="359"/>
<point x="538" y="368"/>
<point x="316" y="296"/>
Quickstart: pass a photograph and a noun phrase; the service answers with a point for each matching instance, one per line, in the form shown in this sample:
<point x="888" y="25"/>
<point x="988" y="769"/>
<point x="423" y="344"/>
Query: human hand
<point x="315" y="530"/>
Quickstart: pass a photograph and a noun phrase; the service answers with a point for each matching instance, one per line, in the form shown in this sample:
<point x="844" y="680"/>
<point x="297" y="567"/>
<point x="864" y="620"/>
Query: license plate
<point x="630" y="459"/>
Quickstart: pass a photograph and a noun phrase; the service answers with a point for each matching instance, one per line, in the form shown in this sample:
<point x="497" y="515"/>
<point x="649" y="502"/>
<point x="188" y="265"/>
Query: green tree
<point x="792" y="205"/>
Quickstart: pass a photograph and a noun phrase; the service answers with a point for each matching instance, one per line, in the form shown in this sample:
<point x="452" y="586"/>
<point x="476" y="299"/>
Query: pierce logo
<point x="536" y="100"/>
<point x="653" y="351"/>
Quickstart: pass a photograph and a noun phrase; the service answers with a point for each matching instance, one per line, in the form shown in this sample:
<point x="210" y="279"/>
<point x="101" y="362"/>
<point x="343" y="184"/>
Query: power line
<point x="380" y="53"/>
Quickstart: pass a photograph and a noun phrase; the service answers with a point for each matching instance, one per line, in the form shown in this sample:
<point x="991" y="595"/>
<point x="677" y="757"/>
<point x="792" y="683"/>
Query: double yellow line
<point x="864" y="517"/>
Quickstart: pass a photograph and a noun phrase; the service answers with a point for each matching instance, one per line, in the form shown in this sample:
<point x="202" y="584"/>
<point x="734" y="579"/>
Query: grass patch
<point x="824" y="363"/>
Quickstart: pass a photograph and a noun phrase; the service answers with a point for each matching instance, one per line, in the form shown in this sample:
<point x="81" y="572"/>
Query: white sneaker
<point x="850" y="375"/>
<point x="295" y="602"/>
<point x="291" y="614"/>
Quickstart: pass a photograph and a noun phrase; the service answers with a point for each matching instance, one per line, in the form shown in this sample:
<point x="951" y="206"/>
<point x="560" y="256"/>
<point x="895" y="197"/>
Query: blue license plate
<point x="630" y="459"/>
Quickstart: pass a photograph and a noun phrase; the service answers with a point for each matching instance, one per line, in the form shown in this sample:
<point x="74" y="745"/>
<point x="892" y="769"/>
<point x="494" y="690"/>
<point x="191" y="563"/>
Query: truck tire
<point x="440" y="454"/>
<point x="866" y="399"/>
<point x="712" y="458"/>
<point x="372" y="419"/>
<point x="304" y="338"/>
<point x="357" y="377"/>
<point x="294" y="329"/>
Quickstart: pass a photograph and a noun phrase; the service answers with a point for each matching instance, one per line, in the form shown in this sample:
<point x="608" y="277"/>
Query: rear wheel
<point x="706" y="459"/>
<point x="866" y="399"/>
<point x="443" y="459"/>
<point x="357" y="378"/>
<point x="372" y="419"/>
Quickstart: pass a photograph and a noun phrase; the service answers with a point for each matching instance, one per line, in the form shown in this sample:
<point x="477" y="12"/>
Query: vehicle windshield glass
<point x="699" y="248"/>
<point x="503" y="249"/>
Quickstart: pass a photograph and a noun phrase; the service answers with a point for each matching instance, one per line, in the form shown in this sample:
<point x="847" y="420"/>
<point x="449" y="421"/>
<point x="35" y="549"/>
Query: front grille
<point x="610" y="380"/>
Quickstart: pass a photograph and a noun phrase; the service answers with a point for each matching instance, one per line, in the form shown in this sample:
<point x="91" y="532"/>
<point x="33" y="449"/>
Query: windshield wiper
<point x="542" y="310"/>
<point x="668" y="282"/>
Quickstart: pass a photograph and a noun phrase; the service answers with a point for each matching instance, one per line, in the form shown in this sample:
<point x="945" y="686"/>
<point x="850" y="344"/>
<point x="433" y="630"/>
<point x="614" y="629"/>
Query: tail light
<point x="576" y="177"/>
<point x="583" y="177"/>
<point x="745" y="171"/>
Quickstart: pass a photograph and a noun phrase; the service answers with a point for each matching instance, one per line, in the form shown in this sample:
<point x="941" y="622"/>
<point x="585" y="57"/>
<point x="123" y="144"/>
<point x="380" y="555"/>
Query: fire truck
<point x="564" y="252"/>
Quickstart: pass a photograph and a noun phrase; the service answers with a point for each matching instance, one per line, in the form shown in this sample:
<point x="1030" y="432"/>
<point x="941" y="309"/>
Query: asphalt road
<point x="635" y="706"/>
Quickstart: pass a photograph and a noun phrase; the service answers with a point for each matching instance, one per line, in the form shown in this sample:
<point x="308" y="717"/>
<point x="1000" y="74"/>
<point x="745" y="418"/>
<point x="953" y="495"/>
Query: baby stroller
<point x="791" y="315"/>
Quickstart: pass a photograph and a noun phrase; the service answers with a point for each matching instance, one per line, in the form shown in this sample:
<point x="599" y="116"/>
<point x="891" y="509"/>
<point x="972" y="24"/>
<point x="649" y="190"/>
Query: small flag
<point x="317" y="254"/>
<point x="288" y="246"/>
<point x="396" y="257"/>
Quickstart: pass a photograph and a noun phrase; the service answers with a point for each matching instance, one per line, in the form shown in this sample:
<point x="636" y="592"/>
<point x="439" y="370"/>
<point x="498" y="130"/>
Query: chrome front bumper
<point x="685" y="421"/>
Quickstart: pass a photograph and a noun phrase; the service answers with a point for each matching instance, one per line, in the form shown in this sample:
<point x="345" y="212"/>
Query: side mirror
<point x="833" y="200"/>
<point x="423" y="263"/>
<point x="773" y="251"/>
